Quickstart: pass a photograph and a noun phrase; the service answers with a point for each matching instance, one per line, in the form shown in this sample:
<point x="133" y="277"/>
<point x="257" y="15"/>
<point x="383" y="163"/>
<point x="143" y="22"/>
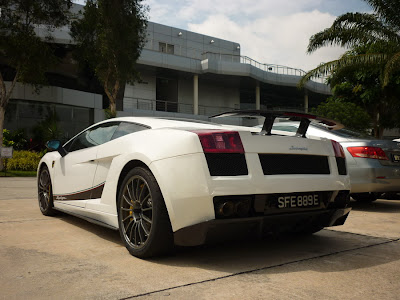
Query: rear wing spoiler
<point x="270" y="116"/>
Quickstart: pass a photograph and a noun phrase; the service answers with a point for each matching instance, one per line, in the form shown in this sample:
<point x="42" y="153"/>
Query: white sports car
<point x="162" y="181"/>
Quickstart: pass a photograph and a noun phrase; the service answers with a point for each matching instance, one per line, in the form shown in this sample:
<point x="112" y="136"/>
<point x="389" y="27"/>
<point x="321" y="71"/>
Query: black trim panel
<point x="226" y="164"/>
<point x="285" y="164"/>
<point x="341" y="165"/>
<point x="92" y="193"/>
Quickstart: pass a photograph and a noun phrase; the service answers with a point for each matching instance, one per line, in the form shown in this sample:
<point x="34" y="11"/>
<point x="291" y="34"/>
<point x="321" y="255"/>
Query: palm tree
<point x="377" y="34"/>
<point x="354" y="29"/>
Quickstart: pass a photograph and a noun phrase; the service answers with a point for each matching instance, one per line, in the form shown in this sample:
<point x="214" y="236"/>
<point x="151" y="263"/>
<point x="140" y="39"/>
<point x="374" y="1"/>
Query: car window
<point x="126" y="128"/>
<point x="93" y="136"/>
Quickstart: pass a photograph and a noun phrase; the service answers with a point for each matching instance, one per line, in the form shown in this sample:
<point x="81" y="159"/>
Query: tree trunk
<point x="111" y="94"/>
<point x="4" y="98"/>
<point x="2" y="113"/>
<point x="375" y="125"/>
<point x="381" y="129"/>
<point x="113" y="108"/>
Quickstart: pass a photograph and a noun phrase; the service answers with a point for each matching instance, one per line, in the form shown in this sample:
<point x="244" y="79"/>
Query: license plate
<point x="292" y="202"/>
<point x="396" y="158"/>
<point x="298" y="201"/>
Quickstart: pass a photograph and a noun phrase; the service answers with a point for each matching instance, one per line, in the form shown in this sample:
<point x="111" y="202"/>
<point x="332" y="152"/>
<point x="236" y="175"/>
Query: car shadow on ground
<point x="101" y="231"/>
<point x="380" y="205"/>
<point x="245" y="254"/>
<point x="271" y="252"/>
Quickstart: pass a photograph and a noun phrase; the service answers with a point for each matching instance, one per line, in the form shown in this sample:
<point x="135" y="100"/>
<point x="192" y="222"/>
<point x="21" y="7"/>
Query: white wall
<point x="59" y="95"/>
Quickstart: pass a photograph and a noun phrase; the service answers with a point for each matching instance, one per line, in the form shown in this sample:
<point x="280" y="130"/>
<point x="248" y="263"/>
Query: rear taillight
<point x="338" y="149"/>
<point x="215" y="141"/>
<point x="368" y="152"/>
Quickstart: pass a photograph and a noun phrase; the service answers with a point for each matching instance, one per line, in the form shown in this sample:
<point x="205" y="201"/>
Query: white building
<point x="184" y="74"/>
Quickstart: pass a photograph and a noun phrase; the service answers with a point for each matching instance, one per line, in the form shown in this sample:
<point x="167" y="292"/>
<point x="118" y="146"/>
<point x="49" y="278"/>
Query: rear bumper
<point x="258" y="226"/>
<point x="373" y="179"/>
<point x="189" y="190"/>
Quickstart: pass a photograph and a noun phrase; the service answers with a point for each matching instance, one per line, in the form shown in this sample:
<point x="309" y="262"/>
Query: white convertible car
<point x="162" y="181"/>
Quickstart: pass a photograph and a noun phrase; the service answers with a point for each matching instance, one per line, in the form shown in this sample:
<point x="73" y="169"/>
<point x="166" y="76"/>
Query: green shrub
<point x="24" y="161"/>
<point x="15" y="139"/>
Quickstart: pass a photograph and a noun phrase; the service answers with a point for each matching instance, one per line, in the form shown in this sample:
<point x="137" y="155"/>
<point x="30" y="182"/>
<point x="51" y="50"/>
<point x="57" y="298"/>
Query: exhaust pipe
<point x="242" y="208"/>
<point x="226" y="209"/>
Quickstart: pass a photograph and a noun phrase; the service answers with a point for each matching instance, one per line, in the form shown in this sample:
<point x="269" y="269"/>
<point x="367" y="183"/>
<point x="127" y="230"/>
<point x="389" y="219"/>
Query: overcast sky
<point x="269" y="31"/>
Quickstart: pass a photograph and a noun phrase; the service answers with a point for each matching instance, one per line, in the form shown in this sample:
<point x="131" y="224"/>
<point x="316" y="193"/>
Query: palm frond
<point x="388" y="11"/>
<point x="392" y="65"/>
<point x="343" y="62"/>
<point x="352" y="29"/>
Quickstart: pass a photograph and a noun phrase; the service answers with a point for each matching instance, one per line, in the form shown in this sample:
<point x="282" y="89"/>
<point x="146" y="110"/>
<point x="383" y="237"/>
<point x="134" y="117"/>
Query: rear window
<point x="345" y="133"/>
<point x="287" y="128"/>
<point x="126" y="128"/>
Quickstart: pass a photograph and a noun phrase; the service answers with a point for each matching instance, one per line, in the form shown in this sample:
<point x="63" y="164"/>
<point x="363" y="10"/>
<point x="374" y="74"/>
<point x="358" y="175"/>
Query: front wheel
<point x="45" y="192"/>
<point x="143" y="219"/>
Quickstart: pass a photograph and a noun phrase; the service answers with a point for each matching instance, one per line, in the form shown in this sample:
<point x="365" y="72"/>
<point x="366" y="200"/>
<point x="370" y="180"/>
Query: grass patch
<point x="18" y="174"/>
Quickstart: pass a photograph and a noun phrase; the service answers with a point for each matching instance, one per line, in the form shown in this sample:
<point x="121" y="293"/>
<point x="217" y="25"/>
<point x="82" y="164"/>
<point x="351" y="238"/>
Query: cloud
<point x="244" y="8"/>
<point x="274" y="39"/>
<point x="269" y="31"/>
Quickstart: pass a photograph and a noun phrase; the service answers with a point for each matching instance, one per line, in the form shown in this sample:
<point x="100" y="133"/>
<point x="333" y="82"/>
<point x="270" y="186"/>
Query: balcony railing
<point x="132" y="104"/>
<point x="180" y="50"/>
<point x="272" y="68"/>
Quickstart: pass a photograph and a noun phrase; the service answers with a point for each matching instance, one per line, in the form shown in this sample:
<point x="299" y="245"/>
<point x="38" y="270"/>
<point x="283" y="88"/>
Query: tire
<point x="143" y="219"/>
<point x="365" y="197"/>
<point x="45" y="192"/>
<point x="390" y="196"/>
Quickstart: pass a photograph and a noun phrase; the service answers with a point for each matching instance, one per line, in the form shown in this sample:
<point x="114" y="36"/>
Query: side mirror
<point x="55" y="145"/>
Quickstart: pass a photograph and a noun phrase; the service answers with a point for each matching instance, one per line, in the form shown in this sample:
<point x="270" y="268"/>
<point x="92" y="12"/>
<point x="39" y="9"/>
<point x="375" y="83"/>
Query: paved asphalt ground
<point x="64" y="257"/>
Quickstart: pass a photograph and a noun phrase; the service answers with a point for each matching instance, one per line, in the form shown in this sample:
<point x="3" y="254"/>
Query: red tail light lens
<point x="368" y="152"/>
<point x="214" y="141"/>
<point x="339" y="152"/>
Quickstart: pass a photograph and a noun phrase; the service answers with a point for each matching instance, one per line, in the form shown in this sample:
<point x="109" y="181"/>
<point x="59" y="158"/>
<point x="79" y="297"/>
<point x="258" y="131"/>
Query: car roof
<point x="161" y="122"/>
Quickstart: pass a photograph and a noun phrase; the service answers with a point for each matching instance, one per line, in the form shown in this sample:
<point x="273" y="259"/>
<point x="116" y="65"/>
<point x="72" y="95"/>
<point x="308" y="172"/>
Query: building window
<point x="166" y="48"/>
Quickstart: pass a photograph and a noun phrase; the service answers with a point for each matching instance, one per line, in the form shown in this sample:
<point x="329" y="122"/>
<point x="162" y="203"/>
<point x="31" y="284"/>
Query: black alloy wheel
<point x="45" y="192"/>
<point x="143" y="220"/>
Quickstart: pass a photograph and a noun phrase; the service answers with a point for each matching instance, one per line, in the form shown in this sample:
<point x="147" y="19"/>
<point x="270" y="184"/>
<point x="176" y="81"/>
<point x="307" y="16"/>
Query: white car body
<point x="86" y="181"/>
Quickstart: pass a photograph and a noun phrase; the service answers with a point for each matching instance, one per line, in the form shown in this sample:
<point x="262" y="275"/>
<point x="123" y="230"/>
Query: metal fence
<point x="196" y="53"/>
<point x="132" y="104"/>
<point x="272" y="68"/>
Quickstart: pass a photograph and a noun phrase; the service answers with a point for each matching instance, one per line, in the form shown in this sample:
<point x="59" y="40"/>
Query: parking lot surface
<point x="64" y="257"/>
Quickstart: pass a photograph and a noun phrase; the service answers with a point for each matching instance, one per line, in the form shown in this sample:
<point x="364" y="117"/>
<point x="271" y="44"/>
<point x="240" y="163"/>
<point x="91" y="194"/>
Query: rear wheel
<point x="143" y="219"/>
<point x="45" y="192"/>
<point x="365" y="197"/>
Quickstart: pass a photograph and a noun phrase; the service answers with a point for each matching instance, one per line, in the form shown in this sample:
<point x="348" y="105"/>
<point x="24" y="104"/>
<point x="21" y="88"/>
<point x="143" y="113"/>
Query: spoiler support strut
<point x="270" y="116"/>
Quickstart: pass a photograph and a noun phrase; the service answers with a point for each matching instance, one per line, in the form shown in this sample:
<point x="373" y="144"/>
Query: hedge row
<point x="24" y="161"/>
